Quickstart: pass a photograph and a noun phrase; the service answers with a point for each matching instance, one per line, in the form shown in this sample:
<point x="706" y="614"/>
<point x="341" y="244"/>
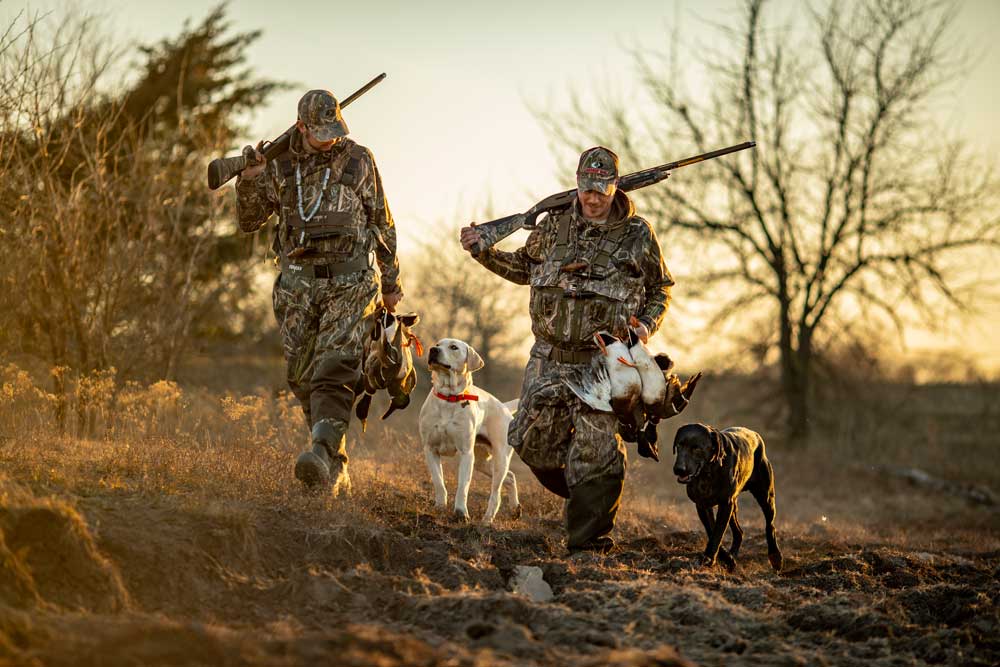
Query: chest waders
<point x="325" y="238"/>
<point x="577" y="290"/>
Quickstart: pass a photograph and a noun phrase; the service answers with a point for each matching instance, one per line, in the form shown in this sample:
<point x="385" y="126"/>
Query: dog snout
<point x="433" y="354"/>
<point x="680" y="470"/>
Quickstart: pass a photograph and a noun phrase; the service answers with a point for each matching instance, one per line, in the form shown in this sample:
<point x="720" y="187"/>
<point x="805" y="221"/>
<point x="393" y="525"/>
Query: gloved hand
<point x="255" y="161"/>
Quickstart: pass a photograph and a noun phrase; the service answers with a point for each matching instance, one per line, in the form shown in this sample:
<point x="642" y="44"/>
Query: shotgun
<point x="494" y="231"/>
<point x="223" y="169"/>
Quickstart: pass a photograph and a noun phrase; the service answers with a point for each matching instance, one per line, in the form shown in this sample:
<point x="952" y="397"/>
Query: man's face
<point x="596" y="205"/>
<point x="317" y="145"/>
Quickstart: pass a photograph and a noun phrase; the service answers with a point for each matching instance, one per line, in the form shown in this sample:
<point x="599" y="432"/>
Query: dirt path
<point x="119" y="577"/>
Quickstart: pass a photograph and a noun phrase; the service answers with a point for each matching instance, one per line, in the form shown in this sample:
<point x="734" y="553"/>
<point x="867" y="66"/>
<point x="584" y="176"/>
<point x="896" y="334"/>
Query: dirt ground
<point x="186" y="552"/>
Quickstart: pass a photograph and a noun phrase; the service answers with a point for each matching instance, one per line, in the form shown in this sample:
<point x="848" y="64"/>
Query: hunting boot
<point x="590" y="513"/>
<point x="326" y="464"/>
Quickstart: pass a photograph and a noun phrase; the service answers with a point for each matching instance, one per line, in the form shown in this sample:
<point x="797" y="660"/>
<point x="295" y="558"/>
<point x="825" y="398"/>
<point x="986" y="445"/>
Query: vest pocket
<point x="604" y="314"/>
<point x="564" y="320"/>
<point x="544" y="312"/>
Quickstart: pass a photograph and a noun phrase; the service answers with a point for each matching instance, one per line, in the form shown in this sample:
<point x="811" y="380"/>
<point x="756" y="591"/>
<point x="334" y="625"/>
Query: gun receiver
<point x="222" y="170"/>
<point x="494" y="231"/>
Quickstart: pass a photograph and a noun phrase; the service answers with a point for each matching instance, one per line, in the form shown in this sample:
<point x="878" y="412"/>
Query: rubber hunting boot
<point x="326" y="463"/>
<point x="590" y="513"/>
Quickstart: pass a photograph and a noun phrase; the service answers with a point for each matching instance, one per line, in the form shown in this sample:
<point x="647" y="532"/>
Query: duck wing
<point x="594" y="388"/>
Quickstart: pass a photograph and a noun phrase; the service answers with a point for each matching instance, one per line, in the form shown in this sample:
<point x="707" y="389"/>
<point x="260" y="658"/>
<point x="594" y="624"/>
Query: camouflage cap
<point x="598" y="170"/>
<point x="320" y="111"/>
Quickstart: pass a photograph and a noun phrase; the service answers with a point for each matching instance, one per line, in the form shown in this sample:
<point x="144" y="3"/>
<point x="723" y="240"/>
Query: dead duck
<point x="678" y="394"/>
<point x="654" y="383"/>
<point x="389" y="363"/>
<point x="625" y="381"/>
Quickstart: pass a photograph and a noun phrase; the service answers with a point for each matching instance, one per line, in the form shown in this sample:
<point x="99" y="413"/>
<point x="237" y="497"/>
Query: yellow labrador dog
<point x="459" y="418"/>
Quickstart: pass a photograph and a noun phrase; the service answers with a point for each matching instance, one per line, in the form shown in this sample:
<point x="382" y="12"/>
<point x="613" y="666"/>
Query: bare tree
<point x="853" y="208"/>
<point x="112" y="251"/>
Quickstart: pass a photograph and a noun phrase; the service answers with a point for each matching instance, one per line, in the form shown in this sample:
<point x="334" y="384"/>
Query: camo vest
<point x="329" y="224"/>
<point x="569" y="306"/>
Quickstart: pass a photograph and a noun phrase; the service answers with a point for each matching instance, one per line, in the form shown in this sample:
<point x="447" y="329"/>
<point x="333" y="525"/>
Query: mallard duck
<point x="389" y="363"/>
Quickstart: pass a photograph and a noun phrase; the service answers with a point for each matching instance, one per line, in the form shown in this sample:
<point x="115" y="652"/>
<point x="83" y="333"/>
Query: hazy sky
<point x="451" y="122"/>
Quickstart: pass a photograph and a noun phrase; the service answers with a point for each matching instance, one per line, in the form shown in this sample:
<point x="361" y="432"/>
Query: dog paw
<point x="707" y="561"/>
<point x="775" y="560"/>
<point x="515" y="512"/>
<point x="461" y="516"/>
<point x="727" y="561"/>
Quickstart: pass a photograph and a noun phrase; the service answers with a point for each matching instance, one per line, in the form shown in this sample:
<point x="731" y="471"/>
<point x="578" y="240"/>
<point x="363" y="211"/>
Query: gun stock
<point x="222" y="170"/>
<point x="494" y="231"/>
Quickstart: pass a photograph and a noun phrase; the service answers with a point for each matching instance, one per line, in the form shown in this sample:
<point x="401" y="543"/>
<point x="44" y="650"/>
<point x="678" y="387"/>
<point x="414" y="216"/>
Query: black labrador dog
<point x="717" y="466"/>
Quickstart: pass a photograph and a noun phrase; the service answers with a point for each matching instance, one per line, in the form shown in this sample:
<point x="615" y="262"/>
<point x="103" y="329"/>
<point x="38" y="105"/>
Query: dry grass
<point x="164" y="440"/>
<point x="191" y="543"/>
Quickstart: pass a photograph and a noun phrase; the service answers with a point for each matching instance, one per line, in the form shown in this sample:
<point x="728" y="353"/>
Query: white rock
<point x="528" y="581"/>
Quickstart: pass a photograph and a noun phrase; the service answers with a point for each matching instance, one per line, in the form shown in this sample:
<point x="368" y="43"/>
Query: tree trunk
<point x="796" y="388"/>
<point x="798" y="405"/>
<point x="796" y="358"/>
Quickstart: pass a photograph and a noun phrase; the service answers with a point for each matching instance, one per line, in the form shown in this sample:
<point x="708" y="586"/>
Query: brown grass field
<point x="167" y="530"/>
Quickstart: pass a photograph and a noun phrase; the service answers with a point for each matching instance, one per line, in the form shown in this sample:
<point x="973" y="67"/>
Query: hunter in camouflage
<point x="336" y="245"/>
<point x="590" y="269"/>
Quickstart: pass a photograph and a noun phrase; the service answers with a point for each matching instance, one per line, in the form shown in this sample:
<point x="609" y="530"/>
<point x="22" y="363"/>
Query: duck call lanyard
<point x="319" y="199"/>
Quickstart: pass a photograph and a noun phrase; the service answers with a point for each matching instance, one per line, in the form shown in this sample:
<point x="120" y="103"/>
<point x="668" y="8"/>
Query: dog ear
<point x="473" y="362"/>
<point x="717" y="456"/>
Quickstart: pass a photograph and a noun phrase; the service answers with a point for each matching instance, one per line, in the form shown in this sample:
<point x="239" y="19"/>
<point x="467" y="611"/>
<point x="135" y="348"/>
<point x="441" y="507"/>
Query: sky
<point x="452" y="125"/>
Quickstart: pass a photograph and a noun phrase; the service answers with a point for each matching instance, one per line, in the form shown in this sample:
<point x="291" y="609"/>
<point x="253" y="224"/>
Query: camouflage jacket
<point x="351" y="217"/>
<point x="587" y="277"/>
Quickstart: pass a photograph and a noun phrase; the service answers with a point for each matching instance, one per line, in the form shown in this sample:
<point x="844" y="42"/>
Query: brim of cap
<point x="584" y="183"/>
<point x="329" y="131"/>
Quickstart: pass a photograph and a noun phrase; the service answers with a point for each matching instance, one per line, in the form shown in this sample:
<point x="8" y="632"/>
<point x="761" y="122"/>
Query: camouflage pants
<point x="555" y="430"/>
<point x="323" y="324"/>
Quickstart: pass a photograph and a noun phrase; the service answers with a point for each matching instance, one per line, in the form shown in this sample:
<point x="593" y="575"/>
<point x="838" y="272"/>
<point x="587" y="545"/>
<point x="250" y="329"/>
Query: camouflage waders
<point x="573" y="450"/>
<point x="334" y="227"/>
<point x="585" y="277"/>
